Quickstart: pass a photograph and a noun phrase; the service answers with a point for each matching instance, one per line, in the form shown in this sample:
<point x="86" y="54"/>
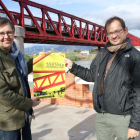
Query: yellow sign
<point x="49" y="75"/>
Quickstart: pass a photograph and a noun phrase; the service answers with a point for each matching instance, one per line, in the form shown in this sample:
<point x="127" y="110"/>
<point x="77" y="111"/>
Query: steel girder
<point x="58" y="32"/>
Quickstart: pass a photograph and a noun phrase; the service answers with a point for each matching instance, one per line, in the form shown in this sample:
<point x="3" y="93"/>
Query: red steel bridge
<point x="46" y="31"/>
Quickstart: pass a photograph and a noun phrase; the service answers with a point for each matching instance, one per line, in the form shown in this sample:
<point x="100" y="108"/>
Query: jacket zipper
<point x="101" y="109"/>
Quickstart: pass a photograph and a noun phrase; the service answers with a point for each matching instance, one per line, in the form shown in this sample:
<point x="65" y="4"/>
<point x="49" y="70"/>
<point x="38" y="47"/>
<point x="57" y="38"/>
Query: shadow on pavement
<point x="83" y="130"/>
<point x="38" y="135"/>
<point x="41" y="108"/>
<point x="44" y="110"/>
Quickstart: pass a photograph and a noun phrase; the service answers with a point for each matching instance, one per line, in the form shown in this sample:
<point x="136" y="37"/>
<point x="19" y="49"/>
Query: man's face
<point x="116" y="33"/>
<point x="6" y="36"/>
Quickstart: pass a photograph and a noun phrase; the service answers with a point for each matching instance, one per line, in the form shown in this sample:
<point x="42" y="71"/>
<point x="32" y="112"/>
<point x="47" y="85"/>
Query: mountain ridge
<point x="60" y="48"/>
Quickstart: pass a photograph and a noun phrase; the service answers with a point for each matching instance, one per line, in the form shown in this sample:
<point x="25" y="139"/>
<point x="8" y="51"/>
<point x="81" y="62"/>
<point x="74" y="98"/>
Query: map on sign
<point x="49" y="75"/>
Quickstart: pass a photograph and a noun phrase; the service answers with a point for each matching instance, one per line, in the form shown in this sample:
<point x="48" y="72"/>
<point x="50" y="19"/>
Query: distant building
<point x="85" y="52"/>
<point x="42" y="52"/>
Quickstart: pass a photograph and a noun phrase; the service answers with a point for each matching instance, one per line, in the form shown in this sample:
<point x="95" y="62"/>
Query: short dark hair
<point x="4" y="20"/>
<point x="115" y="18"/>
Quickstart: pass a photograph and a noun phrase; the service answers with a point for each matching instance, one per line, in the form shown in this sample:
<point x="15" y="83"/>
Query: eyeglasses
<point x="117" y="32"/>
<point x="10" y="33"/>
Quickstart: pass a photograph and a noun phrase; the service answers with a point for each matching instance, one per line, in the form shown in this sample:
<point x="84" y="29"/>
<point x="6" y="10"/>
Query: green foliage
<point x="92" y="51"/>
<point x="34" y="56"/>
<point x="91" y="56"/>
<point x="78" y="51"/>
<point x="72" y="56"/>
<point x="27" y="57"/>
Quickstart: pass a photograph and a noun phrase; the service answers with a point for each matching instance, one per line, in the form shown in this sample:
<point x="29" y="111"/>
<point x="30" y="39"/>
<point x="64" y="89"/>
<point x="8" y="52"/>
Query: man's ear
<point x="126" y="30"/>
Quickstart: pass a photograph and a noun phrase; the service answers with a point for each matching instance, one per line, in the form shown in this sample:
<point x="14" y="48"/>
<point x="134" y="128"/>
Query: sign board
<point x="49" y="75"/>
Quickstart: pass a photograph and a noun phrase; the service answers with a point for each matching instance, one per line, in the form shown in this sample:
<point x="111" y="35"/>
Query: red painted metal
<point x="51" y="83"/>
<point x="58" y="32"/>
<point x="47" y="71"/>
<point x="7" y="12"/>
<point x="40" y="58"/>
<point x="67" y="29"/>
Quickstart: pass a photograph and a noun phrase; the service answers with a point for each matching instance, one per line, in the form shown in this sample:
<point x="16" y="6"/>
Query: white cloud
<point x="127" y="9"/>
<point x="45" y="2"/>
<point x="135" y="32"/>
<point x="129" y="12"/>
<point x="26" y="45"/>
<point x="52" y="2"/>
<point x="100" y="3"/>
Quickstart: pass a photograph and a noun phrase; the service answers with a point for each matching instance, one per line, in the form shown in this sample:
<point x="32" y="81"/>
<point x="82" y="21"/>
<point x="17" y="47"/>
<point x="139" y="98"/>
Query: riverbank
<point x="86" y="58"/>
<point x="73" y="56"/>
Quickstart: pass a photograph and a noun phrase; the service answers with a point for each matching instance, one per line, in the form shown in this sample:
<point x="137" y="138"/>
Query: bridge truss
<point x="58" y="32"/>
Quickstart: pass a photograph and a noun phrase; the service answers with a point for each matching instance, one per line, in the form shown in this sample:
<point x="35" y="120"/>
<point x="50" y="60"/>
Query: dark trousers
<point x="26" y="131"/>
<point x="16" y="135"/>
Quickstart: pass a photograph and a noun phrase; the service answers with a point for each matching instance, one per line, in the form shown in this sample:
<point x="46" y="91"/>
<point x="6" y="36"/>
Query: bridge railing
<point x="60" y="28"/>
<point x="45" y="28"/>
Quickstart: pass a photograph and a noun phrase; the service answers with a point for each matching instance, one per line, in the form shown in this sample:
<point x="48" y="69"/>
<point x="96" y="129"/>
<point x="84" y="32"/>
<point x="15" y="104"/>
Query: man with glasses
<point x="116" y="93"/>
<point x="15" y="100"/>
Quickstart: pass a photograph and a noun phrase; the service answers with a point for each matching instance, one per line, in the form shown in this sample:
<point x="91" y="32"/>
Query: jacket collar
<point x="105" y="52"/>
<point x="120" y="54"/>
<point x="3" y="50"/>
<point x="128" y="46"/>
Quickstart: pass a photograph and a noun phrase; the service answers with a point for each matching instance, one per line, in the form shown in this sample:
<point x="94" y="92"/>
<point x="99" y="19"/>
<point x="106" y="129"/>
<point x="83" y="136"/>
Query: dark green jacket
<point x="13" y="104"/>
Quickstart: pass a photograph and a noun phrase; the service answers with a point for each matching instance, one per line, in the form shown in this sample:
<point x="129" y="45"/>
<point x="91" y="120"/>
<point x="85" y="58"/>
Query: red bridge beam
<point x="71" y="34"/>
<point x="135" y="40"/>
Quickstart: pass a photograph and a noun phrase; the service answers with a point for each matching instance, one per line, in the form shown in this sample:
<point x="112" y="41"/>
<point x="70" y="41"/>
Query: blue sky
<point x="97" y="11"/>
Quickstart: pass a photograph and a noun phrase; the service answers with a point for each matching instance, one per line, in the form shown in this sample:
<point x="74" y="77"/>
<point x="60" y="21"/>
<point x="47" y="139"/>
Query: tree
<point x="92" y="51"/>
<point x="72" y="56"/>
<point x="27" y="57"/>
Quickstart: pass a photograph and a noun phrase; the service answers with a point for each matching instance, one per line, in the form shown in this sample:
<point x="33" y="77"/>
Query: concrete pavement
<point x="58" y="122"/>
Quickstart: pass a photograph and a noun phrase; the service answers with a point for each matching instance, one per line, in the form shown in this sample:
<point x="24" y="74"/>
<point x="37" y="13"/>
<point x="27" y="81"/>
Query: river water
<point x="82" y="63"/>
<point x="86" y="64"/>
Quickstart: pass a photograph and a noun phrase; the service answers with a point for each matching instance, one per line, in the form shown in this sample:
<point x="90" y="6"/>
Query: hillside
<point x="60" y="48"/>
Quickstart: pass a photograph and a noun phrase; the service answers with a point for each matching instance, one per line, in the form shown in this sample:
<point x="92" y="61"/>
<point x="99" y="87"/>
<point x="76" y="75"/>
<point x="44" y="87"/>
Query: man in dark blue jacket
<point x="116" y="93"/>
